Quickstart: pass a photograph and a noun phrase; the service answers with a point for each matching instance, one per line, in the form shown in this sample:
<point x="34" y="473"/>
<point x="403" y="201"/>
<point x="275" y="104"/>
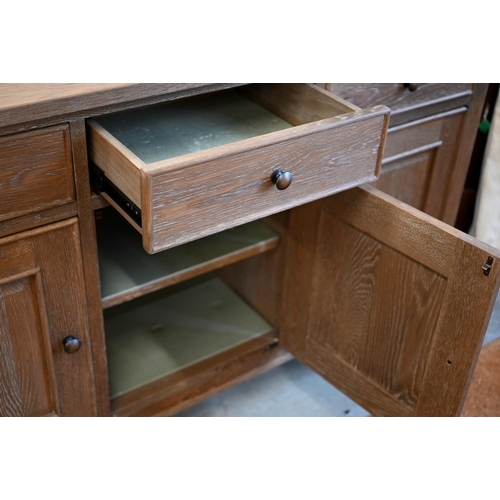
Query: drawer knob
<point x="411" y="86"/>
<point x="71" y="344"/>
<point x="281" y="179"/>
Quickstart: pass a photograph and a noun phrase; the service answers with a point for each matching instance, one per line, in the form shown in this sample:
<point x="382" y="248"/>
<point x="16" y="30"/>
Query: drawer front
<point x="223" y="193"/>
<point x="412" y="138"/>
<point x="405" y="104"/>
<point x="36" y="171"/>
<point x="201" y="193"/>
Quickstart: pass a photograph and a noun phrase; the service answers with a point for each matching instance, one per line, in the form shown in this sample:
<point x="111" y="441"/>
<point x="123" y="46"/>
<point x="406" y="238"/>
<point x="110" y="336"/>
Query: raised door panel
<point x="398" y="303"/>
<point x="26" y="371"/>
<point x="41" y="302"/>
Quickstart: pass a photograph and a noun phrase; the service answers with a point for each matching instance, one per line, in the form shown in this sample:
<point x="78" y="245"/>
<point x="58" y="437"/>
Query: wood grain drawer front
<point x="406" y="105"/>
<point x="419" y="161"/>
<point x="36" y="171"/>
<point x="412" y="138"/>
<point x="220" y="176"/>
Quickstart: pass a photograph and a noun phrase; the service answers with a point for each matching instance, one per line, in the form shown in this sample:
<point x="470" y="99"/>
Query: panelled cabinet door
<point x="387" y="303"/>
<point x="41" y="302"/>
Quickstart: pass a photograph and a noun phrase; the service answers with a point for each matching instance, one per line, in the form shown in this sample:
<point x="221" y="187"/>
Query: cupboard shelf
<point x="185" y="325"/>
<point x="127" y="272"/>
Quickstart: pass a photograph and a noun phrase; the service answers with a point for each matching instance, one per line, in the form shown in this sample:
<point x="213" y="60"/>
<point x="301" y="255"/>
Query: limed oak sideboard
<point x="162" y="242"/>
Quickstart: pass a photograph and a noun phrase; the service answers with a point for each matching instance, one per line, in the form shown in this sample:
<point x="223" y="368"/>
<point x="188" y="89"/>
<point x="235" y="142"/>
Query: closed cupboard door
<point x="398" y="302"/>
<point x="42" y="303"/>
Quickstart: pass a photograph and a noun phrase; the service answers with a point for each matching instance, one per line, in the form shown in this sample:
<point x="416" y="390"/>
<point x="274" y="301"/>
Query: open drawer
<point x="194" y="167"/>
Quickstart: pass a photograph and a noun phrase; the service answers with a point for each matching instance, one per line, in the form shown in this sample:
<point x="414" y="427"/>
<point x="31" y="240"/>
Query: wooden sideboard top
<point x="32" y="102"/>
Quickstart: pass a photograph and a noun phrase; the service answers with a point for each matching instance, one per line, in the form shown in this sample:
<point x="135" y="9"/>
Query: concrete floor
<point x="293" y="390"/>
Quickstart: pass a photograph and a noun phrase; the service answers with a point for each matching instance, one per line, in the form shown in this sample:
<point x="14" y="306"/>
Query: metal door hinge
<point x="486" y="268"/>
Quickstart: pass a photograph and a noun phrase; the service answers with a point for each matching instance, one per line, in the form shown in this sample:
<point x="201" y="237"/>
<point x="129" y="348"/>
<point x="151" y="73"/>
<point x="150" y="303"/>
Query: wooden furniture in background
<point x="429" y="143"/>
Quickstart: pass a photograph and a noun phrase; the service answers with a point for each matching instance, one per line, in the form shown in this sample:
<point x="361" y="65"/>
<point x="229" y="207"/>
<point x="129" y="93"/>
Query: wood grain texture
<point x="37" y="219"/>
<point x="361" y="292"/>
<point x="235" y="187"/>
<point x="414" y="137"/>
<point x="44" y="302"/>
<point x="418" y="159"/>
<point x="25" y="103"/>
<point x="428" y="171"/>
<point x="298" y="103"/>
<point x="408" y="178"/>
<point x="90" y="266"/>
<point x="324" y="156"/>
<point x="59" y="255"/>
<point x="27" y="387"/>
<point x="122" y="167"/>
<point x="398" y="305"/>
<point x="428" y="99"/>
<point x="36" y="172"/>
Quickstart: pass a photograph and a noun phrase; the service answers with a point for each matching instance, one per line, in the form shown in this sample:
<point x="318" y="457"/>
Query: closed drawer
<point x="424" y="100"/>
<point x="36" y="171"/>
<point x="202" y="165"/>
<point x="413" y="138"/>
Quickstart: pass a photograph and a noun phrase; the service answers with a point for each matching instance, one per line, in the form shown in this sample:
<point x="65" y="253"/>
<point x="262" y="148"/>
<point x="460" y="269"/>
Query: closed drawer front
<point x="36" y="171"/>
<point x="424" y="100"/>
<point x="203" y="165"/>
<point x="412" y="138"/>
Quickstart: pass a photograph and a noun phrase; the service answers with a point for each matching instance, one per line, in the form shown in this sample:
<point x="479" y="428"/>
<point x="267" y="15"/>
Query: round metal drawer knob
<point x="281" y="179"/>
<point x="411" y="86"/>
<point x="71" y="344"/>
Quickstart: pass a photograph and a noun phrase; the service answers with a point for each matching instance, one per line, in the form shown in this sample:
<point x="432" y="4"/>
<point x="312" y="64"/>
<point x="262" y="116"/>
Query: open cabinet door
<point x="388" y="304"/>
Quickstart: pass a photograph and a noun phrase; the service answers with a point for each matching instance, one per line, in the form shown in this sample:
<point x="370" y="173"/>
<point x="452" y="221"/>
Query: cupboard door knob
<point x="411" y="86"/>
<point x="71" y="344"/>
<point x="281" y="179"/>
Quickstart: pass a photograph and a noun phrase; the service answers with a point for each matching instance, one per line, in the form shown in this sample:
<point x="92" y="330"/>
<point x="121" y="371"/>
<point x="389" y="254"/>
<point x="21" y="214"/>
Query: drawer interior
<point x="203" y="122"/>
<point x="182" y="127"/>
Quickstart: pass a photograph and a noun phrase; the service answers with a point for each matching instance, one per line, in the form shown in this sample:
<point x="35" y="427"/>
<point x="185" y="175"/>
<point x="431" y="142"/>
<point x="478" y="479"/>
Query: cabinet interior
<point x="127" y="271"/>
<point x="176" y="329"/>
<point x="170" y="313"/>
